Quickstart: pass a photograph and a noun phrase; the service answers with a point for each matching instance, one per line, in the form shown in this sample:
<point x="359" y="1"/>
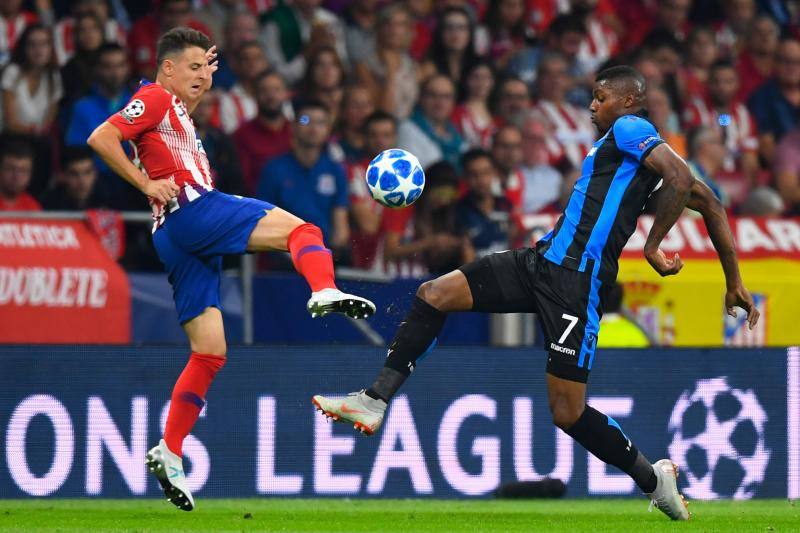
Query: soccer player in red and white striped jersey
<point x="197" y="225"/>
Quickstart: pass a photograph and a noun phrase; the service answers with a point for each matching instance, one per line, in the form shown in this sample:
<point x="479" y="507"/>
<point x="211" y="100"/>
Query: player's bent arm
<point x="672" y="198"/>
<point x="703" y="200"/>
<point x="105" y="140"/>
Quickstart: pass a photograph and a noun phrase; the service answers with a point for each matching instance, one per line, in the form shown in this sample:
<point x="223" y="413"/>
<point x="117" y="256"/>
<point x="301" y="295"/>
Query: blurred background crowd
<point x="491" y="95"/>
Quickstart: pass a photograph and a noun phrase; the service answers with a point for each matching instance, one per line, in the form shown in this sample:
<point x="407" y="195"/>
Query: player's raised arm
<point x="703" y="201"/>
<point x="672" y="198"/>
<point x="105" y="140"/>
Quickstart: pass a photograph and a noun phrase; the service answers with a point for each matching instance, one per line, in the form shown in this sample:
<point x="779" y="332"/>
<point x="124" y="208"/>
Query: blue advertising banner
<point x="77" y="421"/>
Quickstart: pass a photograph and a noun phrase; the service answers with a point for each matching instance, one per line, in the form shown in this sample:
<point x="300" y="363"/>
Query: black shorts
<point x="567" y="302"/>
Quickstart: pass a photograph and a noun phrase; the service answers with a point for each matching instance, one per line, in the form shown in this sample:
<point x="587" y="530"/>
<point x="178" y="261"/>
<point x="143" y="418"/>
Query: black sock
<point x="601" y="435"/>
<point x="415" y="337"/>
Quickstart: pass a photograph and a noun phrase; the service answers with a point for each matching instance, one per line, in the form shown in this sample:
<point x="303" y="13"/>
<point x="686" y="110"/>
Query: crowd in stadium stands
<point x="491" y="95"/>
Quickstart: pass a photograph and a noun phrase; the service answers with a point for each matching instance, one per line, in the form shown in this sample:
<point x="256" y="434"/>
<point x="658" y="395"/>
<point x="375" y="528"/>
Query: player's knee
<point x="218" y="348"/>
<point x="433" y="293"/>
<point x="565" y="413"/>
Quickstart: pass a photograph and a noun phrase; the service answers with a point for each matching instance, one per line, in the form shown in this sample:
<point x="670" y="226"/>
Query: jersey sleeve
<point x="142" y="113"/>
<point x="635" y="136"/>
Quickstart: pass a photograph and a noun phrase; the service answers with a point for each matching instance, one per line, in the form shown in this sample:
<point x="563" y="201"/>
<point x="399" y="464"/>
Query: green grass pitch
<point x="338" y="515"/>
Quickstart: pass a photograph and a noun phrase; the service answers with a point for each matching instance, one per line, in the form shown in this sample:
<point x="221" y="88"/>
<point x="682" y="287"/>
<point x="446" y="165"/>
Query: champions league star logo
<point x="133" y="110"/>
<point x="718" y="440"/>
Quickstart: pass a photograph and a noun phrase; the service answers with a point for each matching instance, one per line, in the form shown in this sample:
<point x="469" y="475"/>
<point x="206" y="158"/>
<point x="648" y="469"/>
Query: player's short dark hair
<point x="721" y="64"/>
<point x="73" y="154"/>
<point x="624" y="77"/>
<point x="309" y="104"/>
<point x="379" y="116"/>
<point x="18" y="149"/>
<point x="472" y="155"/>
<point x="178" y="39"/>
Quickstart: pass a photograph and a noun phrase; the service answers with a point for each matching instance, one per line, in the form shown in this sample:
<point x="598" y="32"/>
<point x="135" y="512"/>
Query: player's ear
<point x="168" y="67"/>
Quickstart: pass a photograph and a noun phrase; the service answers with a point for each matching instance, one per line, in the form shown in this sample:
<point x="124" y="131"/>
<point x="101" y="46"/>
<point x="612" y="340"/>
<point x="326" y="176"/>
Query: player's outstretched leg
<point x="603" y="437"/>
<point x="280" y="230"/>
<point x="414" y="339"/>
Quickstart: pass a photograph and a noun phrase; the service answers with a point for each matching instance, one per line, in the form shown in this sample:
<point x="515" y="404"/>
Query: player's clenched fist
<point x="161" y="190"/>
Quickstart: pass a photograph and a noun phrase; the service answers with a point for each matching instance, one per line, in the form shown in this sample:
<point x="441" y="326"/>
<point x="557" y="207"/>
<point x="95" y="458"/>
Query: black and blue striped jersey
<point x="606" y="201"/>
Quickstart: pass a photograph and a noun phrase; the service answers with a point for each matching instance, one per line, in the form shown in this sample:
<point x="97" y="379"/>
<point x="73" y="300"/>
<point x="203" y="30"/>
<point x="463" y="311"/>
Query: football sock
<point x="414" y="339"/>
<point x="188" y="398"/>
<point x="311" y="258"/>
<point x="601" y="435"/>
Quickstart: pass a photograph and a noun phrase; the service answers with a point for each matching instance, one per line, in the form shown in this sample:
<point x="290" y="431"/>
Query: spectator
<point x="359" y="32"/>
<point x="671" y="17"/>
<point x="665" y="119"/>
<point x="706" y="157"/>
<point x="665" y="50"/>
<point x="422" y="23"/>
<point x="215" y="15"/>
<point x="108" y="95"/>
<point x="762" y="201"/>
<point x="572" y="132"/>
<point x="324" y="80"/>
<point x="755" y="63"/>
<point x="512" y="100"/>
<point x="76" y="187"/>
<point x="306" y="181"/>
<point x="32" y="65"/>
<point x="776" y="105"/>
<point x="731" y="32"/>
<point x="507" y="156"/>
<point x="269" y="133"/>
<point x="65" y="34"/>
<point x="424" y="238"/>
<point x="238" y="105"/>
<point x="542" y="182"/>
<point x="701" y="54"/>
<point x="508" y="30"/>
<point x="616" y="329"/>
<point x="357" y="105"/>
<point x="146" y="31"/>
<point x="429" y="133"/>
<point x="472" y="116"/>
<point x="720" y="108"/>
<point x="226" y="172"/>
<point x="787" y="171"/>
<point x="388" y="70"/>
<point x="564" y="37"/>
<point x="602" y="39"/>
<point x="452" y="51"/>
<point x="380" y="133"/>
<point x="13" y="21"/>
<point x="295" y="30"/>
<point x="77" y="74"/>
<point x="16" y="172"/>
<point x="241" y="27"/>
<point x="483" y="217"/>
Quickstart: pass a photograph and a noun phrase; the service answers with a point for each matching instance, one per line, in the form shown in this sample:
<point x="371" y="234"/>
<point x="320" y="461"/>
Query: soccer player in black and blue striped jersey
<point x="564" y="278"/>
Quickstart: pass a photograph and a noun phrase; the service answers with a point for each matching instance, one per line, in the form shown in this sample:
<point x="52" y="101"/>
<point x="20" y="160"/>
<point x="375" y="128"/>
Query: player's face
<point x="381" y="136"/>
<point x="607" y="105"/>
<point x="188" y="73"/>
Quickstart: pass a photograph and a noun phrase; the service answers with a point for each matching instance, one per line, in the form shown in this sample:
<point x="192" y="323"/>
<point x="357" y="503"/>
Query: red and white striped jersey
<point x="600" y="44"/>
<point x="64" y="37"/>
<point x="235" y="108"/>
<point x="10" y="30"/>
<point x="165" y="142"/>
<point x="572" y="132"/>
<point x="739" y="128"/>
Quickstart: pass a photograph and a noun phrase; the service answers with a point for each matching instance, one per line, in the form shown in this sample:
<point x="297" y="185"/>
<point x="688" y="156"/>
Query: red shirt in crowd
<point x="256" y="145"/>
<point x="364" y="246"/>
<point x="142" y="43"/>
<point x="750" y="78"/>
<point x="24" y="202"/>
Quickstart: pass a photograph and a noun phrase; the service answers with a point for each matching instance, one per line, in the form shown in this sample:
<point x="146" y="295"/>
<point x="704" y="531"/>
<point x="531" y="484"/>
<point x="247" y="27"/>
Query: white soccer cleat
<point x="666" y="497"/>
<point x="365" y="413"/>
<point x="335" y="301"/>
<point x="168" y="468"/>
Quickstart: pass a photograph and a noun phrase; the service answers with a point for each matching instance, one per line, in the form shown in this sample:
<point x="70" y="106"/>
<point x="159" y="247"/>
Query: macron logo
<point x="561" y="349"/>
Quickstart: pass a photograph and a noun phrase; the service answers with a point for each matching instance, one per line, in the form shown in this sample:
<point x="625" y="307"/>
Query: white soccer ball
<point x="395" y="178"/>
<point x="718" y="440"/>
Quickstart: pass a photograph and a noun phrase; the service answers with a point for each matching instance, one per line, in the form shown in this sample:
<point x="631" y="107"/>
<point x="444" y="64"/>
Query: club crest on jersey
<point x="133" y="110"/>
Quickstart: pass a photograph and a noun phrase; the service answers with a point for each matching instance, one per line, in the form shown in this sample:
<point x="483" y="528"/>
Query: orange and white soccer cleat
<point x="365" y="413"/>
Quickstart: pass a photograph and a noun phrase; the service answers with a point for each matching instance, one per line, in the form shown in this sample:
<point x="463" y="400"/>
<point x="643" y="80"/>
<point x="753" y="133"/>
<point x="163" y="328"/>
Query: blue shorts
<point x="192" y="241"/>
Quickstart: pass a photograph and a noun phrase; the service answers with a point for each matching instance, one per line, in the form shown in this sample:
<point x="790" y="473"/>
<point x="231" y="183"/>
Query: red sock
<point x="310" y="257"/>
<point x="188" y="398"/>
